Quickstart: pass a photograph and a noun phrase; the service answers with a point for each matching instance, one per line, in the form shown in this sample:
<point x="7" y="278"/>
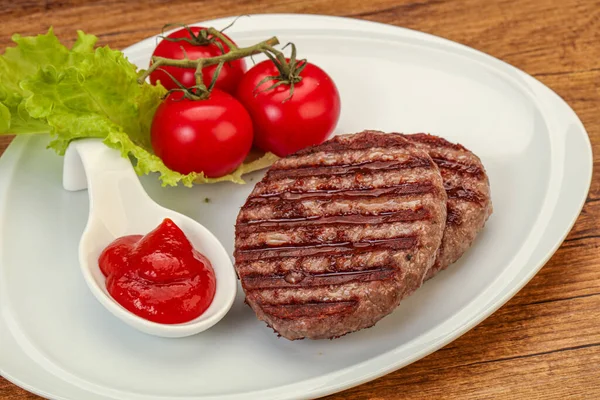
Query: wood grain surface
<point x="545" y="342"/>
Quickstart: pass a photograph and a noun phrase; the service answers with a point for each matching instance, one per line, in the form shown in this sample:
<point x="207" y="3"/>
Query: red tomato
<point x="212" y="136"/>
<point x="230" y="74"/>
<point x="284" y="125"/>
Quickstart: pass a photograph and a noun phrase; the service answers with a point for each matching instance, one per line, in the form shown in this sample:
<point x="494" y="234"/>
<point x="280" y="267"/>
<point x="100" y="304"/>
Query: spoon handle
<point x="110" y="179"/>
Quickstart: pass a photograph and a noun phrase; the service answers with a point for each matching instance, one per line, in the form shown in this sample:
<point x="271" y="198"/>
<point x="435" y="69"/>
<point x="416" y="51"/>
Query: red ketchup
<point x="160" y="276"/>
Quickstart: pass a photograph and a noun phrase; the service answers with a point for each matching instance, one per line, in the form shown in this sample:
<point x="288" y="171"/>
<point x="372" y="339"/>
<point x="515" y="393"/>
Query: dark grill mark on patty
<point x="453" y="217"/>
<point x="462" y="193"/>
<point x="313" y="309"/>
<point x="365" y="192"/>
<point x="459" y="168"/>
<point x="301" y="279"/>
<point x="265" y="225"/>
<point x="360" y="168"/>
<point x="325" y="249"/>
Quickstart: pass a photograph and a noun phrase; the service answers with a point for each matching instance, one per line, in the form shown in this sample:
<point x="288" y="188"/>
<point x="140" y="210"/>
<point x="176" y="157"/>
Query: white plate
<point x="57" y="341"/>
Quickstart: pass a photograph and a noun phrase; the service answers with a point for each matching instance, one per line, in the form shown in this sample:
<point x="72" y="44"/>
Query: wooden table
<point x="545" y="343"/>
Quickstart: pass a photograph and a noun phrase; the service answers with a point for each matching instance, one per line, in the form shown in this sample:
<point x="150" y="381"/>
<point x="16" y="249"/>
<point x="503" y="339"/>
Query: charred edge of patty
<point x="358" y="141"/>
<point x="435" y="141"/>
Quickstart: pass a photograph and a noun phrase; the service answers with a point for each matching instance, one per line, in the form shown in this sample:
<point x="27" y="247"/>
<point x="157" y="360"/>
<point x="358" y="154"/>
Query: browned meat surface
<point x="336" y="235"/>
<point x="468" y="190"/>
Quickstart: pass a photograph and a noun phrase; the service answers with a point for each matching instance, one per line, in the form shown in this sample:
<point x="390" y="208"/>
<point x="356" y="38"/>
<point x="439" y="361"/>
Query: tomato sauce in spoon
<point x="159" y="276"/>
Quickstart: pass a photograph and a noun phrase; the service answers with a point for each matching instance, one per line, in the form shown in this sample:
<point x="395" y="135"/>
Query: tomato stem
<point x="289" y="71"/>
<point x="200" y="86"/>
<point x="219" y="35"/>
<point x="235" y="53"/>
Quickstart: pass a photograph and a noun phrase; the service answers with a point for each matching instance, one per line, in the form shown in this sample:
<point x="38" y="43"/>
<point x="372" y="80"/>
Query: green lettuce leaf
<point x="148" y="162"/>
<point x="23" y="61"/>
<point x="4" y="118"/>
<point x="87" y="92"/>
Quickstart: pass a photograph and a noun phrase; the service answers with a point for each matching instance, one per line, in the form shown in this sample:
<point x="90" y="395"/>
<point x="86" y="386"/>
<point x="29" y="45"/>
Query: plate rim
<point x="314" y="389"/>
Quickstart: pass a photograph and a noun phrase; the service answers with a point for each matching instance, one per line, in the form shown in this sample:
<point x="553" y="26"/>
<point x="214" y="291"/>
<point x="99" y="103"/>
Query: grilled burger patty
<point x="335" y="235"/>
<point x="468" y="190"/>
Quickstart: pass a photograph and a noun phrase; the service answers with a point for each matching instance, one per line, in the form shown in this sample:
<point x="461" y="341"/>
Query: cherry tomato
<point x="212" y="136"/>
<point x="284" y="124"/>
<point x="230" y="74"/>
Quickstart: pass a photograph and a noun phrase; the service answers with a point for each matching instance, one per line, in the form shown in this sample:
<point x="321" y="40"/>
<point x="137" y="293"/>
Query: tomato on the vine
<point x="174" y="47"/>
<point x="285" y="121"/>
<point x="213" y="136"/>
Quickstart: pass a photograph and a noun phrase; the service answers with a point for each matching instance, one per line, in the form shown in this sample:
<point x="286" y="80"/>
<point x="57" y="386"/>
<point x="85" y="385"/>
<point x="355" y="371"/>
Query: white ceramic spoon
<point x="119" y="206"/>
